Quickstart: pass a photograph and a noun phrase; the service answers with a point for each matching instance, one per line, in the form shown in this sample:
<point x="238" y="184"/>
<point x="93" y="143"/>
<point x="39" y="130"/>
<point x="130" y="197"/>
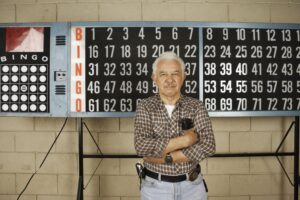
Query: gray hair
<point x="168" y="55"/>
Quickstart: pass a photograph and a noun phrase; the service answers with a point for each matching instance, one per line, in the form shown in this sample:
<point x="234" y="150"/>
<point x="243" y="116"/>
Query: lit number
<point x="271" y="86"/>
<point x="126" y="105"/>
<point x="240" y="34"/>
<point x="210" y="104"/>
<point x="157" y="33"/>
<point x="272" y="69"/>
<point x="226" y="69"/>
<point x="209" y="34"/>
<point x="286" y="52"/>
<point x="93" y="51"/>
<point x="272" y="50"/>
<point x="298" y="106"/>
<point x="210" y="51"/>
<point x="109" y="69"/>
<point x="287" y="86"/>
<point x="257" y="103"/>
<point x="158" y="49"/>
<point x="286" y="35"/>
<point x="94" y="87"/>
<point x="109" y="105"/>
<point x="125" y="51"/>
<point x="141" y="33"/>
<point x="142" y="69"/>
<point x="126" y="69"/>
<point x="190" y="87"/>
<point x="256" y="34"/>
<point x="210" y="69"/>
<point x="126" y="34"/>
<point x="242" y="103"/>
<point x="241" y="51"/>
<point x="257" y="69"/>
<point x="272" y="103"/>
<point x="174" y="33"/>
<point x="142" y="51"/>
<point x="126" y="87"/>
<point x="241" y="86"/>
<point x="109" y="51"/>
<point x="210" y="86"/>
<point x="298" y="69"/>
<point x="271" y="35"/>
<point x="190" y="68"/>
<point x="142" y="87"/>
<point x="242" y="69"/>
<point x="226" y="52"/>
<point x="191" y="33"/>
<point x="226" y="104"/>
<point x="190" y="51"/>
<point x="94" y="105"/>
<point x="287" y="103"/>
<point x="256" y="86"/>
<point x="225" y="34"/>
<point x="109" y="87"/>
<point x="226" y="86"/>
<point x="287" y="69"/>
<point x="110" y="32"/>
<point x="298" y="86"/>
<point x="256" y="52"/>
<point x="93" y="69"/>
<point x="298" y="35"/>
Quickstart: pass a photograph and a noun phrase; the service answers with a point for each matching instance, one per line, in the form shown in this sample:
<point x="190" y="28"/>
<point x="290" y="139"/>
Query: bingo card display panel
<point x="251" y="69"/>
<point x="28" y="53"/>
<point x="111" y="65"/>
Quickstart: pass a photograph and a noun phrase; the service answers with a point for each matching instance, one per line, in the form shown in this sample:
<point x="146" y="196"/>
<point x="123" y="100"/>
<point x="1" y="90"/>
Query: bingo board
<point x="103" y="69"/>
<point x="33" y="69"/>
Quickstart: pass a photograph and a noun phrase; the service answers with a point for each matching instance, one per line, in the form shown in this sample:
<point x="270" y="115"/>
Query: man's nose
<point x="170" y="78"/>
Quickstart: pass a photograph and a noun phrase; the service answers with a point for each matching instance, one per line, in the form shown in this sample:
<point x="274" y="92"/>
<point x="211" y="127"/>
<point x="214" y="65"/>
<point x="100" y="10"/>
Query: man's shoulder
<point x="192" y="102"/>
<point x="149" y="101"/>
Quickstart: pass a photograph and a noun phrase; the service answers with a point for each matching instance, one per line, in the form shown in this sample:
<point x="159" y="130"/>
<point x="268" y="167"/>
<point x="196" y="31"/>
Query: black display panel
<point x="24" y="69"/>
<point x="117" y="64"/>
<point x="251" y="69"/>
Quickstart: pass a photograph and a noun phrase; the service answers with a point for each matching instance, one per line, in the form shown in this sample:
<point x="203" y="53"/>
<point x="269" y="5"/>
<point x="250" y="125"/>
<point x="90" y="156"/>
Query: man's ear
<point x="153" y="77"/>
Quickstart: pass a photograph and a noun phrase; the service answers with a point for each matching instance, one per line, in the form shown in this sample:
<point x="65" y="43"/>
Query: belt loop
<point x="159" y="176"/>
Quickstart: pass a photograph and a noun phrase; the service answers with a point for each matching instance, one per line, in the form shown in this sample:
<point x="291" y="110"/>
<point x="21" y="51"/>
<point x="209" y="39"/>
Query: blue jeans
<point x="153" y="189"/>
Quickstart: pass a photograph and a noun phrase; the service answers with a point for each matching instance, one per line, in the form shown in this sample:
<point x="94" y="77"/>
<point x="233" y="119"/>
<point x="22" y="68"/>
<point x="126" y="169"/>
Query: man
<point x="171" y="155"/>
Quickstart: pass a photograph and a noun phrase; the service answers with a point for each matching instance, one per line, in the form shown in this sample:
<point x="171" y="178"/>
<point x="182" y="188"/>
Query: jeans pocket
<point x="198" y="180"/>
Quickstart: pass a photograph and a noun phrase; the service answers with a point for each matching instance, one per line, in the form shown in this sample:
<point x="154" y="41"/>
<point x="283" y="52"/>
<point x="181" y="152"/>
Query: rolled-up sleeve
<point x="205" y="146"/>
<point x="146" y="144"/>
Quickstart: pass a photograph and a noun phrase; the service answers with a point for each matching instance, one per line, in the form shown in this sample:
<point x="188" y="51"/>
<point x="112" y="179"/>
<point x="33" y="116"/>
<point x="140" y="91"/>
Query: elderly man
<point x="171" y="153"/>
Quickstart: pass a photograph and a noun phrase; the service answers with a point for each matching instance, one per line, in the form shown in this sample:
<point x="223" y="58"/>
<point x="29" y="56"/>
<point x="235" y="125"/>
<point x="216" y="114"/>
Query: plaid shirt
<point x="154" y="128"/>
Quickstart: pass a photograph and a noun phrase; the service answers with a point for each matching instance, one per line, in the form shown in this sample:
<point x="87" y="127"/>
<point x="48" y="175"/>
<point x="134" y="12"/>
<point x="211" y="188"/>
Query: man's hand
<point x="190" y="137"/>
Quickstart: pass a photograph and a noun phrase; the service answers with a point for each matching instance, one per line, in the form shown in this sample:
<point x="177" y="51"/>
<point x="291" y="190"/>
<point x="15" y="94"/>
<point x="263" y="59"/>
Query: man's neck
<point x="169" y="100"/>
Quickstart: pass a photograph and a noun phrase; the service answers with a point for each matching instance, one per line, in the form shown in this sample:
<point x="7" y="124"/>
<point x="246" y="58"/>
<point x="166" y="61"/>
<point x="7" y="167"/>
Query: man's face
<point x="169" y="78"/>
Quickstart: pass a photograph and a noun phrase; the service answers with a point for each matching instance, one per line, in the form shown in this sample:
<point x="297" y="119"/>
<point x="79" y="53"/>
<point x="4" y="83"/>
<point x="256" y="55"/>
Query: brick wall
<point x="25" y="141"/>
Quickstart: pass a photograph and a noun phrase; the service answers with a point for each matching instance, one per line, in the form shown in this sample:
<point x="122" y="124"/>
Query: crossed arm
<point x="174" y="148"/>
